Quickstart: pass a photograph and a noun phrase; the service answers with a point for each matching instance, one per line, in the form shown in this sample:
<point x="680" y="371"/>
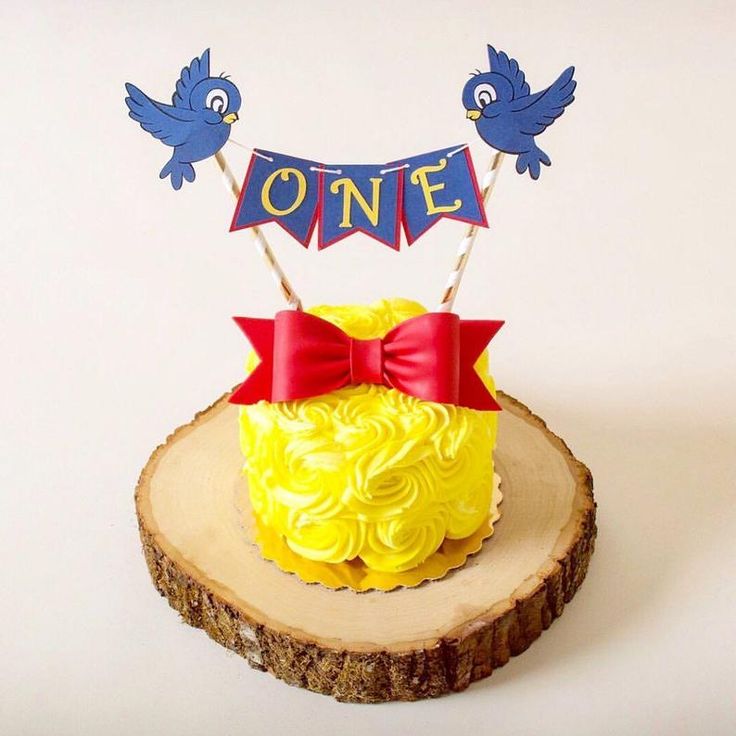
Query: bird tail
<point x="530" y="160"/>
<point x="178" y="171"/>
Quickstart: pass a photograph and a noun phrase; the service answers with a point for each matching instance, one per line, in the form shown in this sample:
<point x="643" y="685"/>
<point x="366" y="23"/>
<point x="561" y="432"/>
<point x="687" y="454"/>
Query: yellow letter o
<point x="301" y="192"/>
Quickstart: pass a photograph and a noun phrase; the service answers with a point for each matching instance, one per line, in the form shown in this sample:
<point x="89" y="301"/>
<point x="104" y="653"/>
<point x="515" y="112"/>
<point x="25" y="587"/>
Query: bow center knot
<point x="366" y="361"/>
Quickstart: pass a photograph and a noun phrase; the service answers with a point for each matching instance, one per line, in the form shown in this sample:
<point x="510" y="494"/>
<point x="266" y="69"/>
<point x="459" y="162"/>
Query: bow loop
<point x="310" y="356"/>
<point x="422" y="357"/>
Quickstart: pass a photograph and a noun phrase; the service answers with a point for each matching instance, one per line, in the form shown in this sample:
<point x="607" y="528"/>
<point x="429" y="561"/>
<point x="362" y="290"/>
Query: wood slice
<point x="367" y="647"/>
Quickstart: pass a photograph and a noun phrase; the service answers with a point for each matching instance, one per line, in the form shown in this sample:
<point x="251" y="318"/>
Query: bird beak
<point x="231" y="118"/>
<point x="472" y="114"/>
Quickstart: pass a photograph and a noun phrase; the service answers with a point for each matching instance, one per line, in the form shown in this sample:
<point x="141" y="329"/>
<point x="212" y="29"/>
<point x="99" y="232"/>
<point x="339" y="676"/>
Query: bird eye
<point x="484" y="94"/>
<point x="217" y="100"/>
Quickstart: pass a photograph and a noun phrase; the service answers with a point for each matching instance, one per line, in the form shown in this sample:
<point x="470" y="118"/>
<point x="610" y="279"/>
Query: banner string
<point x="251" y="149"/>
<point x="466" y="244"/>
<point x="319" y="169"/>
<point x="277" y="273"/>
<point x="393" y="168"/>
<point x="256" y="152"/>
<point x="457" y="150"/>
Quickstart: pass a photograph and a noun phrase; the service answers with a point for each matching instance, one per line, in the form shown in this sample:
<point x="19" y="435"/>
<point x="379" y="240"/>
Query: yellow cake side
<point x="367" y="471"/>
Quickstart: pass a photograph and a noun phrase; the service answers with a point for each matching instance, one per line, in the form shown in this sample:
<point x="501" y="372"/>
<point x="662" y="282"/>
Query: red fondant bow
<point x="431" y="356"/>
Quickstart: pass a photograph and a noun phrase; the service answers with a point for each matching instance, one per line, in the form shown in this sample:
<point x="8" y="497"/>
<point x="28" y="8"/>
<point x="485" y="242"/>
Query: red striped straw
<point x="466" y="244"/>
<point x="277" y="273"/>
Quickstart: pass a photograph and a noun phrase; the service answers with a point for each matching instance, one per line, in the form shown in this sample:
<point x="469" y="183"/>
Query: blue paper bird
<point x="507" y="117"/>
<point x="196" y="124"/>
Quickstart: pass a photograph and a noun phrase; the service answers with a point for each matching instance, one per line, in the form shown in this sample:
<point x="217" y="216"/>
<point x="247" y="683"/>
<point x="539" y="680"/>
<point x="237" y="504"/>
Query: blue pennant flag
<point x="281" y="189"/>
<point x="364" y="198"/>
<point x="440" y="184"/>
<point x="375" y="199"/>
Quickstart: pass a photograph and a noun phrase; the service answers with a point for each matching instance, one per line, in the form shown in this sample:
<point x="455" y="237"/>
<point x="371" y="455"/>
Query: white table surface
<point x="614" y="272"/>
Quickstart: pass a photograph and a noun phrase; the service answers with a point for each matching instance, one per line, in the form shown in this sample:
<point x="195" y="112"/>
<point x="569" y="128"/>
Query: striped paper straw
<point x="466" y="244"/>
<point x="277" y="273"/>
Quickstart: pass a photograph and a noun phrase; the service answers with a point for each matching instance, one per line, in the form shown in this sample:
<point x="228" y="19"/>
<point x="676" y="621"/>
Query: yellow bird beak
<point x="472" y="114"/>
<point x="231" y="118"/>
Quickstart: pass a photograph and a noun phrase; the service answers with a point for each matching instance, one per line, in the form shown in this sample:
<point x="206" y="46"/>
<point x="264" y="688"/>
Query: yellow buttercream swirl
<point x="367" y="471"/>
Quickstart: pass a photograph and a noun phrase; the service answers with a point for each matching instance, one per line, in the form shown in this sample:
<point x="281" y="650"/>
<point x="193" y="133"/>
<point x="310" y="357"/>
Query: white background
<point x="614" y="272"/>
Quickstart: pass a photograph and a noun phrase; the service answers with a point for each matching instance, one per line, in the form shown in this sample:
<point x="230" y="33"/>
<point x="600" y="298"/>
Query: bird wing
<point x="535" y="112"/>
<point x="198" y="69"/>
<point x="509" y="68"/>
<point x="171" y="125"/>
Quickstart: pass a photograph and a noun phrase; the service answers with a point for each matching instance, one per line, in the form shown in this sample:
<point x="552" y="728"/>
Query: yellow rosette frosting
<point x="366" y="472"/>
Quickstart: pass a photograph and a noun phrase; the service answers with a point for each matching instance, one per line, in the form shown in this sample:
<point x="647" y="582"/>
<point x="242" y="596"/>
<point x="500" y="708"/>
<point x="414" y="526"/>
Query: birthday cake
<point x="367" y="472"/>
<point x="366" y="433"/>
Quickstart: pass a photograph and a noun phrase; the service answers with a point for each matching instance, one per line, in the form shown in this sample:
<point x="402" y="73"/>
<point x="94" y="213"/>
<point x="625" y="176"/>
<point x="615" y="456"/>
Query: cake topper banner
<point x="375" y="199"/>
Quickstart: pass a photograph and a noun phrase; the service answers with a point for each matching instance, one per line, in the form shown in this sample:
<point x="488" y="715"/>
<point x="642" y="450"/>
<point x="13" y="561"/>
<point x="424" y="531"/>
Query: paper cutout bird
<point x="196" y="124"/>
<point x="507" y="117"/>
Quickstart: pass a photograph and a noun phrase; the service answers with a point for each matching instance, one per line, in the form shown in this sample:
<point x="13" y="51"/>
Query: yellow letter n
<point x="350" y="192"/>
